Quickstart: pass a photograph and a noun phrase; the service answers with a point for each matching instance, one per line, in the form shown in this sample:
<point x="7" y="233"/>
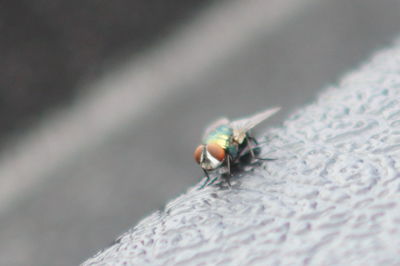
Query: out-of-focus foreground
<point x="133" y="109"/>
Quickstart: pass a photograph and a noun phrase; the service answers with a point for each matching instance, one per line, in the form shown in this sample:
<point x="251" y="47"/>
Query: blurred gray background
<point x="103" y="102"/>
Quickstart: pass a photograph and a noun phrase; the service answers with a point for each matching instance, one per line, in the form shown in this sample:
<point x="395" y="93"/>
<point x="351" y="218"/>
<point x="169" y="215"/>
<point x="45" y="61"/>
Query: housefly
<point x="225" y="142"/>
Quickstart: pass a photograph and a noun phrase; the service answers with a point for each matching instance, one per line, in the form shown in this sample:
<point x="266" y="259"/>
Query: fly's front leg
<point x="208" y="179"/>
<point x="228" y="165"/>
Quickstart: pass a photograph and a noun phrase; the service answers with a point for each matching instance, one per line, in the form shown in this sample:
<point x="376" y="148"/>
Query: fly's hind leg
<point x="250" y="141"/>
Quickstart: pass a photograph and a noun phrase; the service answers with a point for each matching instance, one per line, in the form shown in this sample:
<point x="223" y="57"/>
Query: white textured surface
<point x="332" y="197"/>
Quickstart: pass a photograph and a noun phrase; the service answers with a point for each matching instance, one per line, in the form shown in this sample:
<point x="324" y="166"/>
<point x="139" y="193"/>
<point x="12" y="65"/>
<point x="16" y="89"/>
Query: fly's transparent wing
<point x="214" y="125"/>
<point x="241" y="126"/>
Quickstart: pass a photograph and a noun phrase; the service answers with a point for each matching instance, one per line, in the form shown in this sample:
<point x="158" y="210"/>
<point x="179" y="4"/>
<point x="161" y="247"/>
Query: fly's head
<point x="209" y="156"/>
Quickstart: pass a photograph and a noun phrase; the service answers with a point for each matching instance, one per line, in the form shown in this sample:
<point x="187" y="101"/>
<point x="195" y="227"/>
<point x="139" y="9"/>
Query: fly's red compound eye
<point x="197" y="153"/>
<point x="216" y="151"/>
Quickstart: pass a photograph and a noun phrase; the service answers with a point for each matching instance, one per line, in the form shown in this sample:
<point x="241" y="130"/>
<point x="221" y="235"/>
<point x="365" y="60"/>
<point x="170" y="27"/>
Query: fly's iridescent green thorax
<point x="223" y="136"/>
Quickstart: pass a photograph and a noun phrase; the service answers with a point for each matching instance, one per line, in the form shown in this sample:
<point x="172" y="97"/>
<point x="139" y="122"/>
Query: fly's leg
<point x="212" y="181"/>
<point x="250" y="140"/>
<point x="205" y="183"/>
<point x="228" y="181"/>
<point x="251" y="148"/>
<point x="228" y="163"/>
